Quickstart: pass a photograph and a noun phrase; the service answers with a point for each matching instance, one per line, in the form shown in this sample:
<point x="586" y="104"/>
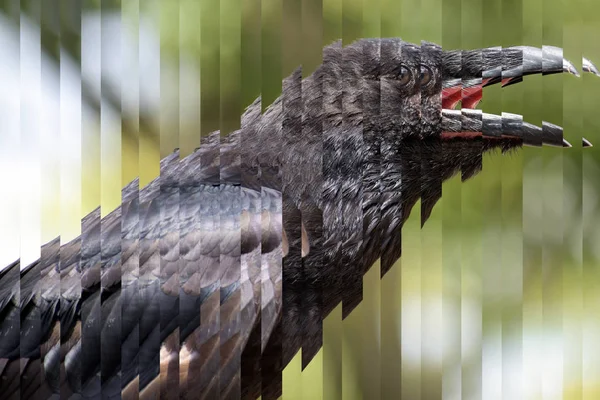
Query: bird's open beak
<point x="500" y="67"/>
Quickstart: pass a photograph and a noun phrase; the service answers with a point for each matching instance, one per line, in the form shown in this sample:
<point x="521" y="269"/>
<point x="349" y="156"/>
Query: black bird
<point x="205" y="283"/>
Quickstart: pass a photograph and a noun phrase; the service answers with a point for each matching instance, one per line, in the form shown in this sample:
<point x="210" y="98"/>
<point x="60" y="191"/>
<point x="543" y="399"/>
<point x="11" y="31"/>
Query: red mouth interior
<point x="470" y="96"/>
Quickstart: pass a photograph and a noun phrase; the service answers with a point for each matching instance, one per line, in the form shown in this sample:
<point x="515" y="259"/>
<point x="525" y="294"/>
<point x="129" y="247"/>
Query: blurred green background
<point x="497" y="297"/>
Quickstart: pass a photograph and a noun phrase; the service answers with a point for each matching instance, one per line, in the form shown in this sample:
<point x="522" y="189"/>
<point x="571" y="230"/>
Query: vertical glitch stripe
<point x="293" y="305"/>
<point x="517" y="240"/>
<point x="491" y="343"/>
<point x="231" y="335"/>
<point x="351" y="188"/>
<point x="188" y="141"/>
<point x="473" y="219"/>
<point x="71" y="202"/>
<point x="349" y="183"/>
<point x="90" y="237"/>
<point x="30" y="324"/>
<point x="311" y="215"/>
<point x="591" y="256"/>
<point x="251" y="278"/>
<point x="271" y="67"/>
<point x="511" y="263"/>
<point x="190" y="295"/>
<point x="450" y="204"/>
<point x="308" y="302"/>
<point x="370" y="317"/>
<point x="553" y="219"/>
<point x="149" y="207"/>
<point x="52" y="370"/>
<point x="511" y="208"/>
<point x="169" y="206"/>
<point x="64" y="201"/>
<point x="332" y="307"/>
<point x="469" y="316"/>
<point x="130" y="220"/>
<point x="211" y="267"/>
<point x="572" y="256"/>
<point x="415" y="302"/>
<point x="50" y="134"/>
<point x="532" y="227"/>
<point x="390" y="295"/>
<point x="111" y="280"/>
<point x="14" y="213"/>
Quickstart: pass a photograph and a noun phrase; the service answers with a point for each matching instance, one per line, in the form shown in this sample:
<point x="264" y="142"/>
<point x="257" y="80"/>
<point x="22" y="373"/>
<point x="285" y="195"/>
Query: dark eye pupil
<point x="404" y="76"/>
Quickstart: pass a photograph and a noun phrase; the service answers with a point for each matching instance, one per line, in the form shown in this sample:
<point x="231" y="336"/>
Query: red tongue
<point x="470" y="96"/>
<point x="451" y="97"/>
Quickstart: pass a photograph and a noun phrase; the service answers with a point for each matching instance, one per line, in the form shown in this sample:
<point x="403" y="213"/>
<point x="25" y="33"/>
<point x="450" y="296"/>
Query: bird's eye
<point x="404" y="75"/>
<point x="426" y="75"/>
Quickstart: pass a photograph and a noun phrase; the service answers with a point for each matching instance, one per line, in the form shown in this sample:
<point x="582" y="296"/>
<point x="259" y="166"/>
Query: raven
<point x="206" y="282"/>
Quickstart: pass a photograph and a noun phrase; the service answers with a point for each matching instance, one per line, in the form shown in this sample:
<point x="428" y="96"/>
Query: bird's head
<point x="380" y="116"/>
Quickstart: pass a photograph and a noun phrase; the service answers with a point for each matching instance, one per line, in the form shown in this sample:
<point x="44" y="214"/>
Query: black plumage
<point x="205" y="283"/>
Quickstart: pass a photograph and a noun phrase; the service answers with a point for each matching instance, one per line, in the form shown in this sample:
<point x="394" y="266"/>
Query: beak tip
<point x="569" y="67"/>
<point x="566" y="143"/>
<point x="586" y="143"/>
<point x="589" y="67"/>
<point x="572" y="70"/>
